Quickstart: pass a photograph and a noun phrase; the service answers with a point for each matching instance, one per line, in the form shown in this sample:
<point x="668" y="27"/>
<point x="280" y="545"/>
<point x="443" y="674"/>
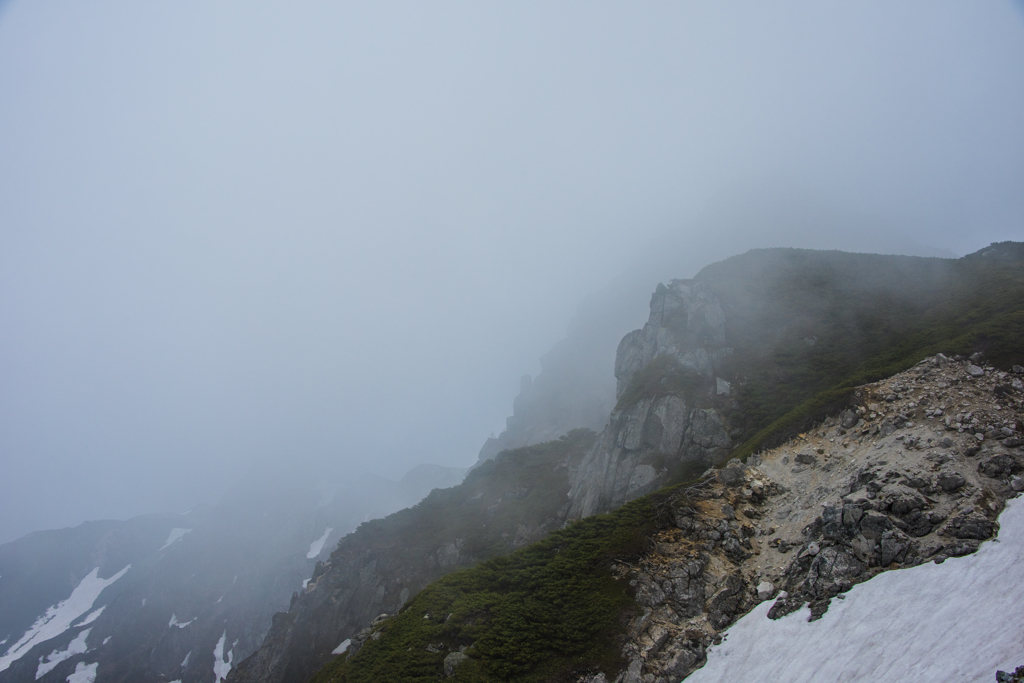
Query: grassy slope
<point x="538" y="614"/>
<point x="870" y="316"/>
<point x="552" y="608"/>
<point x="522" y="487"/>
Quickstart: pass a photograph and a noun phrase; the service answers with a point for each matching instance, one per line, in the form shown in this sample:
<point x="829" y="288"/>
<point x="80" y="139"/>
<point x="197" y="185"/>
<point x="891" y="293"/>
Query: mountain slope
<point x="646" y="590"/>
<point x="763" y="344"/>
<point x="503" y="504"/>
<point x="176" y="597"/>
<point x="759" y="346"/>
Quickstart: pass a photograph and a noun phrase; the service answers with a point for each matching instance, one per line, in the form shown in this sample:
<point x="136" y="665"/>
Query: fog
<point x="244" y="238"/>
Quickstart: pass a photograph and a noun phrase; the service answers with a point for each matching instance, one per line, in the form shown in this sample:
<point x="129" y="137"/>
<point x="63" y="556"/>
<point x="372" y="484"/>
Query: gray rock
<point x="873" y="525"/>
<point x="686" y="324"/>
<point x="731" y="476"/>
<point x="909" y="502"/>
<point x="999" y="466"/>
<point x="452" y="662"/>
<point x="848" y="419"/>
<point x="969" y="526"/>
<point x="1017" y="484"/>
<point x="852" y="515"/>
<point x="806" y="458"/>
<point x="894" y="547"/>
<point x="681" y="663"/>
<point x="634" y="674"/>
<point x="765" y="590"/>
<point x="950" y="481"/>
<point x="975" y="371"/>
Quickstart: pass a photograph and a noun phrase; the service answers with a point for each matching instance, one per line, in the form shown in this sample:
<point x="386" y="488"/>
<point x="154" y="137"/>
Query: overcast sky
<point x="239" y="234"/>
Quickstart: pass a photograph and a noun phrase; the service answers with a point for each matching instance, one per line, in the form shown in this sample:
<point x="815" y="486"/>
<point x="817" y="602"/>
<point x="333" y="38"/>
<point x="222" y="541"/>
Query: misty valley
<point x="511" y="342"/>
<point x="788" y="431"/>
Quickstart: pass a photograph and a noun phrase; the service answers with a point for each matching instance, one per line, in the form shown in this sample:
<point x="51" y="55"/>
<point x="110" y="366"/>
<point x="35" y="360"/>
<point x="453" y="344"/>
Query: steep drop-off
<point x="504" y="504"/>
<point x="176" y="597"/>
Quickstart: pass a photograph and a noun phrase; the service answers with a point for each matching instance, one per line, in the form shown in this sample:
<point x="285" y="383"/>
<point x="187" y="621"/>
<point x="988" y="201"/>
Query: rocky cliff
<point x="775" y="348"/>
<point x="758" y="346"/>
<point x="885" y="484"/>
<point x="672" y="401"/>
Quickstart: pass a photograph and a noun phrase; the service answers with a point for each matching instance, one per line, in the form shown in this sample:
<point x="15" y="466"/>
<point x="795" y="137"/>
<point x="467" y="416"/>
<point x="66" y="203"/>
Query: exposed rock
<point x="452" y="661"/>
<point x="1000" y="466"/>
<point x="686" y="324"/>
<point x="660" y="426"/>
<point x="872" y="504"/>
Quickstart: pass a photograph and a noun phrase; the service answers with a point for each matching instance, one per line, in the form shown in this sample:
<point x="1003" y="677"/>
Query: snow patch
<point x="316" y="546"/>
<point x="221" y="666"/>
<point x="93" y="616"/>
<point x="956" y="621"/>
<point x="84" y="673"/>
<point x="305" y="583"/>
<point x="184" y="662"/>
<point x="180" y="624"/>
<point x="218" y="600"/>
<point x="175" y="535"/>
<point x="50" y="662"/>
<point x="59" y="618"/>
<point x="342" y="647"/>
<point x="107" y="639"/>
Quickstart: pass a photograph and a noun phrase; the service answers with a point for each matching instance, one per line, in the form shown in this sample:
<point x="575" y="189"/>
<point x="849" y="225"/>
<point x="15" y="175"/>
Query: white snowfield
<point x="180" y="624"/>
<point x="75" y="647"/>
<point x="93" y="616"/>
<point x="175" y="535"/>
<point x="316" y="546"/>
<point x="59" y="617"/>
<point x="958" y="621"/>
<point x="342" y="648"/>
<point x="84" y="673"/>
<point x="221" y="666"/>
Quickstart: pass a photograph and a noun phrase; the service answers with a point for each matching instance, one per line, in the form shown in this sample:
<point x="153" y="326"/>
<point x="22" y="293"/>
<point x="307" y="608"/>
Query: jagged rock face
<point x="686" y="324"/>
<point x="644" y="440"/>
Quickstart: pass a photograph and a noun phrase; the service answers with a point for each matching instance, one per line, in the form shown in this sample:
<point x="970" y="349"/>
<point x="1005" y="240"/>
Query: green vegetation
<point x="539" y="614"/>
<point x="806" y="327"/>
<point x="524" y="487"/>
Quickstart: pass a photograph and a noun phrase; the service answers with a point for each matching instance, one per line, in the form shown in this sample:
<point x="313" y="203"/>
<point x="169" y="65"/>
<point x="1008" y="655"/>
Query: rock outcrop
<point x="887" y="484"/>
<point x="672" y="402"/>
